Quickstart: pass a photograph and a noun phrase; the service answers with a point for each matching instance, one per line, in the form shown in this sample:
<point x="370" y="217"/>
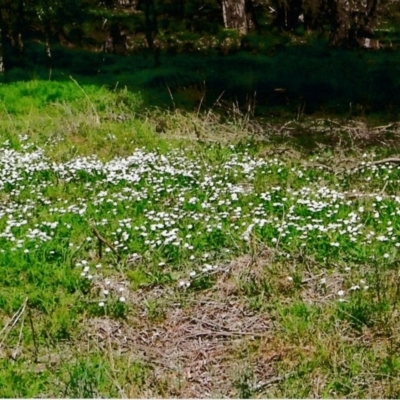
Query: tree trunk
<point x="372" y="6"/>
<point x="340" y="24"/>
<point x="48" y="53"/>
<point x="2" y="68"/>
<point x="351" y="21"/>
<point x="20" y="27"/>
<point x="234" y="13"/>
<point x="47" y="45"/>
<point x="150" y="15"/>
<point x="287" y="13"/>
<point x="2" y="32"/>
<point x="251" y="16"/>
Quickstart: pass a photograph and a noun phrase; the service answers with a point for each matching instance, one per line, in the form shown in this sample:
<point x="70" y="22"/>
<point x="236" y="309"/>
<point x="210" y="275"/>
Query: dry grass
<point x="214" y="343"/>
<point x="201" y="346"/>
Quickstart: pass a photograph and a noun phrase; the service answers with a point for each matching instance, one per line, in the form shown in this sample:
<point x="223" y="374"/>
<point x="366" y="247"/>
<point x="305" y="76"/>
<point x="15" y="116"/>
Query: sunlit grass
<point x="104" y="221"/>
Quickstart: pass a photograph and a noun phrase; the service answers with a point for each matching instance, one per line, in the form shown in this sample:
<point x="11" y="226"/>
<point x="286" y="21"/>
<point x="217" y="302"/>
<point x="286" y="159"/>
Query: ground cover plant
<point x="206" y="258"/>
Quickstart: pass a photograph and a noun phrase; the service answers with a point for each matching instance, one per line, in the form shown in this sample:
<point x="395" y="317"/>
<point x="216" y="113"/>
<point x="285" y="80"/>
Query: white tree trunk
<point x="234" y="13"/>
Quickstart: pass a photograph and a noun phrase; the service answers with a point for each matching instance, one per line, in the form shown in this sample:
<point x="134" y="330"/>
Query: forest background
<point x="270" y="56"/>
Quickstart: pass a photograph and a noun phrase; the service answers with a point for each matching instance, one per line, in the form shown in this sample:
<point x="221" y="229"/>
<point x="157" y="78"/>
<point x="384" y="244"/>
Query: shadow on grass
<point x="295" y="79"/>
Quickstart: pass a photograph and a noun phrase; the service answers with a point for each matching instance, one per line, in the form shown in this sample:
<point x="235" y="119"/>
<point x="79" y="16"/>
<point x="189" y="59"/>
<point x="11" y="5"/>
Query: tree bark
<point x="20" y="27"/>
<point x="340" y="23"/>
<point x="150" y="16"/>
<point x="251" y="16"/>
<point x="2" y="68"/>
<point x="351" y="21"/>
<point x="151" y="28"/>
<point x="234" y="14"/>
<point x="2" y="32"/>
<point x="287" y="13"/>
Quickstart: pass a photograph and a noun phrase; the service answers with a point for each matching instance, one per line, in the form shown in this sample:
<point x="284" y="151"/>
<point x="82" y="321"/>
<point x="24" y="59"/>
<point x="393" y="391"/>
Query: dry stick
<point x="20" y="332"/>
<point x="33" y="332"/>
<point x="210" y="323"/>
<point x="225" y="333"/>
<point x="384" y="187"/>
<point x="216" y="102"/>
<point x="103" y="240"/>
<point x="14" y="318"/>
<point x="358" y="195"/>
<point x="170" y="95"/>
<point x="13" y="321"/>
<point x="383" y="127"/>
<point x="312" y="278"/>
<point x="392" y="160"/>
<point x="263" y="385"/>
<point x="201" y="100"/>
<point x="14" y="354"/>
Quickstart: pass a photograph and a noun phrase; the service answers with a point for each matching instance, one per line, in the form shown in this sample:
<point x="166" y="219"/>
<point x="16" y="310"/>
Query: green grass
<point x="170" y="254"/>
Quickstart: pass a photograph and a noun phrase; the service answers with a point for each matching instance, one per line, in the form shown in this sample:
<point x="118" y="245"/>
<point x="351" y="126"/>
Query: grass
<point x="170" y="254"/>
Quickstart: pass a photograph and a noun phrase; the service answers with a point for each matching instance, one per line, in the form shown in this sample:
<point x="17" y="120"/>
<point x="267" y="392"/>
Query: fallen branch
<point x="13" y="321"/>
<point x="352" y="196"/>
<point x="383" y="127"/>
<point x="391" y="160"/>
<point x="102" y="240"/>
<point x="226" y="333"/>
<point x="35" y="343"/>
<point x="263" y="385"/>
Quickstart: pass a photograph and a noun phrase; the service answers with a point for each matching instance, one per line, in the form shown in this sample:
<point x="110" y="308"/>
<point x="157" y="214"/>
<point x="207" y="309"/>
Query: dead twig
<point x="225" y="333"/>
<point x="384" y="187"/>
<point x="363" y="195"/>
<point x="102" y="240"/>
<point x="383" y="127"/>
<point x="263" y="385"/>
<point x="16" y="352"/>
<point x="13" y="321"/>
<point x="33" y="331"/>
<point x="390" y="160"/>
<point x="313" y="277"/>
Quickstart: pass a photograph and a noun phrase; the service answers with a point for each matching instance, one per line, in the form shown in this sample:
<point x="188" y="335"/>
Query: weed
<point x="244" y="385"/>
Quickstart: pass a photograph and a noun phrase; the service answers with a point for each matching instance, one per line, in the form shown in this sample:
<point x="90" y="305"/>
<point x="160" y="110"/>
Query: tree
<point x="238" y="15"/>
<point x="287" y="13"/>
<point x="150" y="15"/>
<point x="151" y="27"/>
<point x="11" y="28"/>
<point x="2" y="67"/>
<point x="351" y="21"/>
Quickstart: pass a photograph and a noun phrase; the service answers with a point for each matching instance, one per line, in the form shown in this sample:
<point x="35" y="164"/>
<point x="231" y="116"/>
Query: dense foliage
<point x="119" y="23"/>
